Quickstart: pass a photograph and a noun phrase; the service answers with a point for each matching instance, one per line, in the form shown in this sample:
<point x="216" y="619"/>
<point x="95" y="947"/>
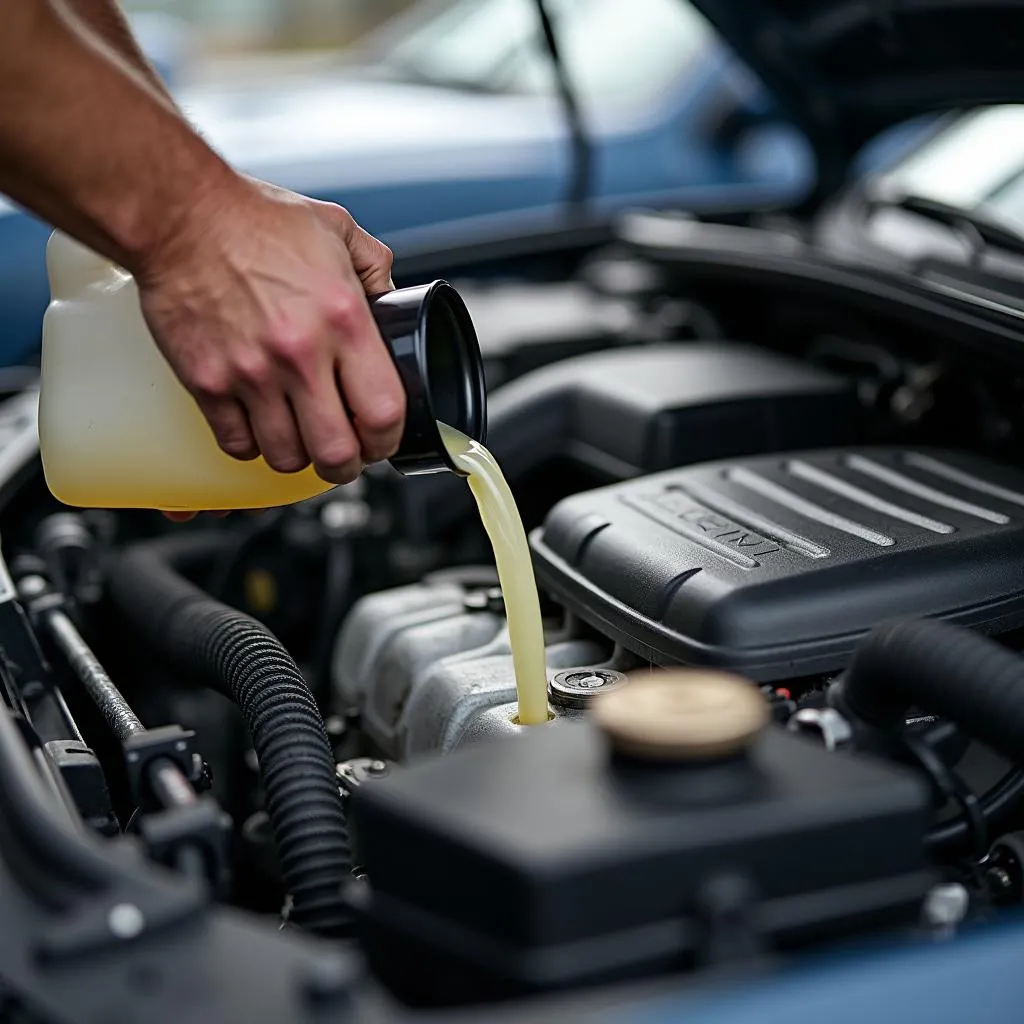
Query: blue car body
<point x="409" y="159"/>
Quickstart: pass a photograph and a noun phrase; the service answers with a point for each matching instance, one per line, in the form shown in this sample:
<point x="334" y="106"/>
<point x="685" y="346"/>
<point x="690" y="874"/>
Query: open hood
<point x="847" y="69"/>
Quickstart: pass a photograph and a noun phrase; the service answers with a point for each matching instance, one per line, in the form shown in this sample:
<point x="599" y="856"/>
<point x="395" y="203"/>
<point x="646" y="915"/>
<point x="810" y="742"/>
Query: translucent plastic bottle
<point x="116" y="428"/>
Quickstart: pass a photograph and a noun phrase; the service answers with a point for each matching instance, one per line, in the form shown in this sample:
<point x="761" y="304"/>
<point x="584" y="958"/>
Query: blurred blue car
<point x="450" y="115"/>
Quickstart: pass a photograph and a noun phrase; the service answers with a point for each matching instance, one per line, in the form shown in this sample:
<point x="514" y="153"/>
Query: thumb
<point x="371" y="258"/>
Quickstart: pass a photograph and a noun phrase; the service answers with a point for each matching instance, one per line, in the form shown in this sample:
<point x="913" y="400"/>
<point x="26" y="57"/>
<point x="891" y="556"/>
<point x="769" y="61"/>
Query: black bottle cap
<point x="431" y="337"/>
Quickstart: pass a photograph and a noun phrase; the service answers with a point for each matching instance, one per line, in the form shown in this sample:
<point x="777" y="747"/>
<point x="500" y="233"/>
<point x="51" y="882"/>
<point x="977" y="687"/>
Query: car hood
<point x="322" y="132"/>
<point x="347" y="126"/>
<point x="845" y="70"/>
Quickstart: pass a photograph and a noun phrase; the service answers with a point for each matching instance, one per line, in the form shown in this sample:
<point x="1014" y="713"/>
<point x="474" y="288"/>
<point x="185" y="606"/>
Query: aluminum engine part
<point x="427" y="675"/>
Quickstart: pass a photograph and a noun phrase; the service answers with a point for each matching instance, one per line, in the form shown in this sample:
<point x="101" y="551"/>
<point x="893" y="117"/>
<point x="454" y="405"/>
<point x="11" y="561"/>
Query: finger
<point x="372" y="261"/>
<point x="277" y="433"/>
<point x="230" y="426"/>
<point x="371" y="258"/>
<point x="372" y="390"/>
<point x="328" y="436"/>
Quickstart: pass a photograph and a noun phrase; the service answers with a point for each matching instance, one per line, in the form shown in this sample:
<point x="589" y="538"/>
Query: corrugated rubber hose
<point x="231" y="652"/>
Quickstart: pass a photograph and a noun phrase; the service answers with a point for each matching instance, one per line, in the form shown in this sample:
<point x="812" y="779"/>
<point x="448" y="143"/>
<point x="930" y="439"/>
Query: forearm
<point x="106" y="19"/>
<point x="87" y="143"/>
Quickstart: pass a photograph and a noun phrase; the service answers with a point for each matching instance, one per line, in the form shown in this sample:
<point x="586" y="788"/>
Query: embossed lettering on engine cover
<point x="677" y="510"/>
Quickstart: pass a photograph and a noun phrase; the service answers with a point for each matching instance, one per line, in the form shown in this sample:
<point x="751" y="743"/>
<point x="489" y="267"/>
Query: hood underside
<point x="845" y="70"/>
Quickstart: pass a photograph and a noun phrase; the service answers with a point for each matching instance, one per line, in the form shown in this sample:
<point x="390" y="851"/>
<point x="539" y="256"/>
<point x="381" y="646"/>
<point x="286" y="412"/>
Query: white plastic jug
<point x="116" y="427"/>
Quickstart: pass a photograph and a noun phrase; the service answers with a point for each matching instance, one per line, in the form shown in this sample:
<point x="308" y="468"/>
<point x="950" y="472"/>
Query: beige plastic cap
<point x="682" y="715"/>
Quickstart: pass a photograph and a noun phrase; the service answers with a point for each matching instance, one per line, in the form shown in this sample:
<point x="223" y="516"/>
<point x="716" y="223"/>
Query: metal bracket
<point x="168" y="741"/>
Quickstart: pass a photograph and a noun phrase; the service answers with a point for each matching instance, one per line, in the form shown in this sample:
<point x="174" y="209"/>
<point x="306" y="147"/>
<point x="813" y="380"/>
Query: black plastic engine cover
<point x="775" y="566"/>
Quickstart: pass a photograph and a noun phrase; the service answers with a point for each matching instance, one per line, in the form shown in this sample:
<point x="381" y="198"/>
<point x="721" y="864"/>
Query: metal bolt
<point x="946" y="906"/>
<point x="352" y="774"/>
<point x="125" y="921"/>
<point x="577" y="687"/>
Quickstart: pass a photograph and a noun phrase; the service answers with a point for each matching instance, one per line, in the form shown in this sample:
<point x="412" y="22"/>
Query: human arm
<point x="106" y="20"/>
<point x="255" y="296"/>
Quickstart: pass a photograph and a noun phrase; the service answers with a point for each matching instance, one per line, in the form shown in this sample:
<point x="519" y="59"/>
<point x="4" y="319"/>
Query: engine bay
<point x="295" y="734"/>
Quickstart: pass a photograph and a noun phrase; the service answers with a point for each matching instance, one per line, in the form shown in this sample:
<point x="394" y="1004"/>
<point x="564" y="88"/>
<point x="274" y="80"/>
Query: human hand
<point x="257" y="299"/>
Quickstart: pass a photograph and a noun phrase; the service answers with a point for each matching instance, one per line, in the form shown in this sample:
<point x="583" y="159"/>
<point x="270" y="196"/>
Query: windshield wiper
<point x="579" y="184"/>
<point x="976" y="226"/>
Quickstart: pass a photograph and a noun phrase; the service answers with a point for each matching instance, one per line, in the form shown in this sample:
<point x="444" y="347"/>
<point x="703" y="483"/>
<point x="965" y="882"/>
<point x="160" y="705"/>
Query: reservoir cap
<point x="431" y="337"/>
<point x="682" y="715"/>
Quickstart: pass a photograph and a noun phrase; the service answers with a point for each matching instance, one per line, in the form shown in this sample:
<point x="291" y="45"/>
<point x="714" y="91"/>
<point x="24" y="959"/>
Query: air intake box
<point x="775" y="566"/>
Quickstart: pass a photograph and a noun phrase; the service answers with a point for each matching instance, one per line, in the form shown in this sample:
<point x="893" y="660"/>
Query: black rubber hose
<point x="237" y="655"/>
<point x="962" y="676"/>
<point x="959" y="675"/>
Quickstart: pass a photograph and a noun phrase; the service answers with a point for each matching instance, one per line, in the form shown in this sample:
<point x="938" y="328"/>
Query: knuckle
<point x="387" y="257"/>
<point x="252" y="370"/>
<point x="337" y="218"/>
<point x="345" y="312"/>
<point x="342" y="214"/>
<point x="209" y="382"/>
<point x="293" y="348"/>
<point x="386" y="414"/>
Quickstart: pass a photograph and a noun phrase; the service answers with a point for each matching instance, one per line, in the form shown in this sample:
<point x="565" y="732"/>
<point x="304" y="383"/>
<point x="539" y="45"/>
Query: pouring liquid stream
<point x="504" y="527"/>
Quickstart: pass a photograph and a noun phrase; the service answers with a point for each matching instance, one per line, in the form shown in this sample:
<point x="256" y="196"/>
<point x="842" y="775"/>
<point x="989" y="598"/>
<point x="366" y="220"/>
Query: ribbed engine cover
<point x="776" y="565"/>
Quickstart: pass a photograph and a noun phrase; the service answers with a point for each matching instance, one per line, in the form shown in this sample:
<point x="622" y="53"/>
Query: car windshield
<point x="976" y="165"/>
<point x="615" y="52"/>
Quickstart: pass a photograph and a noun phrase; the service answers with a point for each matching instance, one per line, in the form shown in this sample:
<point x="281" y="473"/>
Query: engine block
<point x="430" y="669"/>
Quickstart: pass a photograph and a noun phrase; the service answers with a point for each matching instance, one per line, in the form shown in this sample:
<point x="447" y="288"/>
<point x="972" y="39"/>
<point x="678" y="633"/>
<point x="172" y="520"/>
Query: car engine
<point x="268" y="768"/>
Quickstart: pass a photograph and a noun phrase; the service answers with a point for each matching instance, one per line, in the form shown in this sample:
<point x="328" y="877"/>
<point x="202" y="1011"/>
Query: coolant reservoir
<point x="116" y="427"/>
